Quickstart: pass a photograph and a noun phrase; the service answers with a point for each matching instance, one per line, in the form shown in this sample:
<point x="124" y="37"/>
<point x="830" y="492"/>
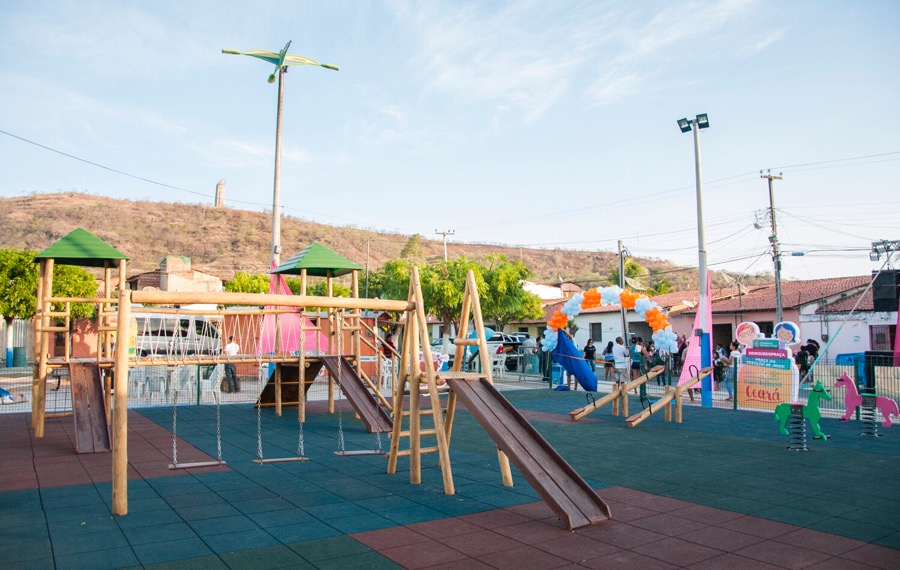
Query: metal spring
<point x="797" y="432"/>
<point x="868" y="416"/>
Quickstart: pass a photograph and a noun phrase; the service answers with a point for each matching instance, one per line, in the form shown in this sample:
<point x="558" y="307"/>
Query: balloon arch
<point x="663" y="336"/>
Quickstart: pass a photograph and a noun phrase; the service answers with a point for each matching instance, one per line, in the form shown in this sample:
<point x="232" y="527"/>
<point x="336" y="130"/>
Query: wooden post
<point x="41" y="397"/>
<point x="332" y="339"/>
<point x="278" y="366"/>
<point x="120" y="415"/>
<point x="303" y="281"/>
<point x="415" y="443"/>
<point x="36" y="344"/>
<point x="356" y="326"/>
<point x="667" y="415"/>
<point x="397" y="402"/>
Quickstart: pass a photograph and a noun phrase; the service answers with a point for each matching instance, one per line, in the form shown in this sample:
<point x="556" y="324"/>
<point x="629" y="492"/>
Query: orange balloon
<point x="591" y="299"/>
<point x="627" y="299"/>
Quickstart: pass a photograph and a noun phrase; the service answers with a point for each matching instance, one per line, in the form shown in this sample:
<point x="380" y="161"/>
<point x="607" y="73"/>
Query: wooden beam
<point x="263" y="299"/>
<point x="120" y="411"/>
<point x="616" y="393"/>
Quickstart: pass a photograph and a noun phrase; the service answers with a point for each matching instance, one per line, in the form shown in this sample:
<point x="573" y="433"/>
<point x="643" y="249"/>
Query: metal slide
<point x="363" y="401"/>
<point x="570" y="497"/>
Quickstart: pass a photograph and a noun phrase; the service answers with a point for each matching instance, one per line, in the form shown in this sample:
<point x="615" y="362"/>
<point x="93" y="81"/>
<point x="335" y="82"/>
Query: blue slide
<point x="569" y="357"/>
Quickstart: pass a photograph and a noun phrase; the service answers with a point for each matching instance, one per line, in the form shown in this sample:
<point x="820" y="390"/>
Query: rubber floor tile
<point x="476" y="544"/>
<point x="853" y="529"/>
<point x="37" y="564"/>
<point x="732" y="562"/>
<point x="172" y="550"/>
<point x="74" y="544"/>
<point x="677" y="551"/>
<point x="263" y="558"/>
<point x="495" y="518"/>
<point x="879" y="556"/>
<point x="389" y="537"/>
<point x="762" y="528"/>
<point x="205" y="562"/>
<point x="97" y="560"/>
<point x="523" y="557"/>
<point x="331" y="547"/>
<point x="426" y="553"/>
<point x="234" y="541"/>
<point x="819" y="541"/>
<point x="668" y="525"/>
<point x="360" y="523"/>
<point x="576" y="548"/>
<point x="222" y="525"/>
<point x="704" y="514"/>
<point x="309" y="530"/>
<point x="445" y="527"/>
<point x="721" y="538"/>
<point x="784" y="555"/>
<point x="534" y="531"/>
<point x="365" y="561"/>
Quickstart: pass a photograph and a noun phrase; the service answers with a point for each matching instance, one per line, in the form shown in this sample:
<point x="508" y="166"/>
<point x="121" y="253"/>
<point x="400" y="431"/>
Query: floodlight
<point x="702" y="121"/>
<point x="684" y="125"/>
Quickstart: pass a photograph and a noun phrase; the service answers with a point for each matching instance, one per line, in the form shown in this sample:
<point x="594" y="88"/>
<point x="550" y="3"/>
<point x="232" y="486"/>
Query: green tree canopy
<point x="18" y="284"/>
<point x="72" y="281"/>
<point x="505" y="299"/>
<point x="413" y="248"/>
<point x="443" y="285"/>
<point x="247" y="283"/>
<point x="633" y="270"/>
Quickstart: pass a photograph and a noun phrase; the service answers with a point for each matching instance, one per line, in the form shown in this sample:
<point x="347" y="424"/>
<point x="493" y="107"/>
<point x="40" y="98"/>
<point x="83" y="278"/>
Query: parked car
<point x="166" y="334"/>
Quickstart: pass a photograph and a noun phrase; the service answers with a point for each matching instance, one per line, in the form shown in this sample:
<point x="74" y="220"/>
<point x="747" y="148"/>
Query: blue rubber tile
<point x="262" y="505"/>
<point x="264" y="558"/>
<point x="171" y="550"/>
<point x="158" y="533"/>
<point x="222" y="525"/>
<point x="26" y="551"/>
<point x="27" y="500"/>
<point x="13" y="519"/>
<point x="152" y="518"/>
<point x="367" y="561"/>
<point x="386" y="503"/>
<point x="98" y="560"/>
<point x="360" y="523"/>
<point x="304" y="531"/>
<point x="332" y="547"/>
<point x="74" y="544"/>
<point x="412" y="515"/>
<point x="284" y="517"/>
<point x="77" y="500"/>
<point x="206" y="512"/>
<point x="325" y="512"/>
<point x="22" y="531"/>
<point x="193" y="499"/>
<point x="80" y="526"/>
<point x="81" y="512"/>
<point x="37" y="564"/>
<point x="148" y="505"/>
<point x="235" y="541"/>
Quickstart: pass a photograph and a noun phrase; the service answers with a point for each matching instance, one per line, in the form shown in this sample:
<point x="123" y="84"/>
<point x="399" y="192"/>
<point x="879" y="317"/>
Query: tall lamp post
<point x="686" y="125"/>
<point x="282" y="60"/>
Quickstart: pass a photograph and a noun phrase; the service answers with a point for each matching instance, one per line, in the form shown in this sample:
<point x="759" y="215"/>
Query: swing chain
<point x="340" y="333"/>
<point x="218" y="427"/>
<point x="175" y="429"/>
<point x="259" y="452"/>
<point x="300" y="446"/>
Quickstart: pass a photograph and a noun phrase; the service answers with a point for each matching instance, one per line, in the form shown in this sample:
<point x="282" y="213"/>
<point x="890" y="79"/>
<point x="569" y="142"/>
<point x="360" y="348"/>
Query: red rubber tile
<point x="783" y="555"/>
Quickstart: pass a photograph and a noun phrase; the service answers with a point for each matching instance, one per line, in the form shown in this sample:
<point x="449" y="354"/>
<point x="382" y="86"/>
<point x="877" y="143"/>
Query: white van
<point x="168" y="334"/>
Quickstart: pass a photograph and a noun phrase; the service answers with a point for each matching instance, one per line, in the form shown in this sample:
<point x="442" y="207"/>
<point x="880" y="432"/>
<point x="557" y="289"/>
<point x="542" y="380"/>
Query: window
<point x="597" y="331"/>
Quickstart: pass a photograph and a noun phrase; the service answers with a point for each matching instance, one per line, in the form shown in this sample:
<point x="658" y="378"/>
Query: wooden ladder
<point x="411" y="380"/>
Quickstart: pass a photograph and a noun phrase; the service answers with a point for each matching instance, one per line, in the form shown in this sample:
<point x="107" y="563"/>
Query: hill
<point x="224" y="240"/>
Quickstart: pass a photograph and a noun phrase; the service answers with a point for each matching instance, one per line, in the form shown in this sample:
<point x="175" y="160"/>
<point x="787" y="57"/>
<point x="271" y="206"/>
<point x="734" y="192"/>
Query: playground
<point x="719" y="489"/>
<point x="367" y="477"/>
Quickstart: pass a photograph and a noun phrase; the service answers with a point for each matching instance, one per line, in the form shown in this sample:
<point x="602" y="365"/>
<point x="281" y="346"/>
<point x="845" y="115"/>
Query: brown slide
<point x="358" y="394"/>
<point x="570" y="497"/>
<point x="91" y="427"/>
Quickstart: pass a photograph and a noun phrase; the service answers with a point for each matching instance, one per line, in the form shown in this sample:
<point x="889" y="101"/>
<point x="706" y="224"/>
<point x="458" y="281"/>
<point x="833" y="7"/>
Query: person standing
<point x="620" y="359"/>
<point x="590" y="354"/>
<point x="609" y="361"/>
<point x="231" y="379"/>
<point x="529" y="349"/>
<point x="733" y="363"/>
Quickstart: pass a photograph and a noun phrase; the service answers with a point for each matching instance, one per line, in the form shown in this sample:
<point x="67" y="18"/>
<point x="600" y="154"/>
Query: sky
<point x="537" y="124"/>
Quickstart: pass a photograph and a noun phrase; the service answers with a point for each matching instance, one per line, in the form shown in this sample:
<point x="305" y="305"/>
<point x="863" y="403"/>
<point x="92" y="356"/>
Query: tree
<point x="413" y="248"/>
<point x="247" y="283"/>
<point x="18" y="290"/>
<point x="505" y="299"/>
<point x="633" y="270"/>
<point x="660" y="287"/>
<point x="320" y="289"/>
<point x="390" y="281"/>
<point x="73" y="281"/>
<point x="443" y="285"/>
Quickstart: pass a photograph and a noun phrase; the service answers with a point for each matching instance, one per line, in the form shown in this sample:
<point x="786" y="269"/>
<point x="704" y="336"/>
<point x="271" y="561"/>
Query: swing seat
<point x="173" y="466"/>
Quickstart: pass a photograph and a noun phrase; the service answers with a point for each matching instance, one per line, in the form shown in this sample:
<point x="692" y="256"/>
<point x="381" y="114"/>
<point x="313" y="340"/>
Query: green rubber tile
<point x="360" y="523"/>
<point x="74" y="544"/>
<point x="36" y="564"/>
<point x="282" y="517"/>
<point x="345" y="509"/>
<point x="232" y="542"/>
<point x="854" y="529"/>
<point x="316" y="551"/>
<point x="97" y="560"/>
<point x="165" y="532"/>
<point x="153" y="518"/>
<point x="265" y="558"/>
<point x="206" y="511"/>
<point x="891" y="541"/>
<point x="310" y="530"/>
<point x="792" y="515"/>
<point x="27" y="500"/>
<point x="365" y="561"/>
<point x="411" y="515"/>
<point x="222" y="525"/>
<point x="26" y="551"/>
<point x="80" y="512"/>
<point x="81" y="527"/>
<point x="155" y="552"/>
<point x="262" y="505"/>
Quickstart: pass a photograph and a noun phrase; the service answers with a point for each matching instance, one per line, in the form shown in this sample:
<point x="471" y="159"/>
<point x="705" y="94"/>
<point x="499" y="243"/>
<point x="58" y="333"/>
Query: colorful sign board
<point x="767" y="375"/>
<point x="766" y="353"/>
<point x="763" y="387"/>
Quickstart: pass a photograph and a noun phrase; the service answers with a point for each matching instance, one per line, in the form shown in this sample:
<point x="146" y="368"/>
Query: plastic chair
<point x="498" y="364"/>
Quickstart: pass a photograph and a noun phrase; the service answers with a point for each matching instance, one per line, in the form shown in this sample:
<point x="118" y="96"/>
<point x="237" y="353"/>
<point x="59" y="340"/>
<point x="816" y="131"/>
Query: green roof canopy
<point x="318" y="261"/>
<point x="81" y="247"/>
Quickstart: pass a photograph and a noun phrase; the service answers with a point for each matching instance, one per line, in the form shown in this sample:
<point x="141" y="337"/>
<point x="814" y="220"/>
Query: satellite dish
<point x="688" y="304"/>
<point x="636" y="285"/>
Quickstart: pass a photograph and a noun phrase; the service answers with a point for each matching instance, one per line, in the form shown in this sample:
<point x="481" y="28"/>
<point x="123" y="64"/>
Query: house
<point x="176" y="274"/>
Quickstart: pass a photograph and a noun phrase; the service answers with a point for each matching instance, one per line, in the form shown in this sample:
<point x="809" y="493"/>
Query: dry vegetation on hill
<point x="224" y="240"/>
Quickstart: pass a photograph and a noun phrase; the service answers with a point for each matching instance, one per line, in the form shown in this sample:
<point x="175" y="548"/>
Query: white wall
<point x="852" y="337"/>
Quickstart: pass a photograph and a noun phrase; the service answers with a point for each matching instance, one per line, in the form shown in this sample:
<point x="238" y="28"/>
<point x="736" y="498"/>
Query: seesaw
<point x="671" y="394"/>
<point x="618" y="393"/>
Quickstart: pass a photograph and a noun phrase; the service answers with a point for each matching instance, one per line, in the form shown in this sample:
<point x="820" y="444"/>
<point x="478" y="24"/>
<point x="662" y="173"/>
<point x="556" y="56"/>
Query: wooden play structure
<point x="418" y="392"/>
<point x="618" y="396"/>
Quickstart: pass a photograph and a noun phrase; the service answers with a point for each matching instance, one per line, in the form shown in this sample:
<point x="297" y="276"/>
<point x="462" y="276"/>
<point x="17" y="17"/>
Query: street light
<point x="701" y="122"/>
<point x="282" y="60"/>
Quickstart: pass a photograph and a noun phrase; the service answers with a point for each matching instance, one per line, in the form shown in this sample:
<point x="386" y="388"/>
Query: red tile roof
<point x="793" y="294"/>
<point x="846" y="305"/>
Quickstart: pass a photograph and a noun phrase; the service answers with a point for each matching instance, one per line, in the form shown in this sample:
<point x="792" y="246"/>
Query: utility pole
<point x="776" y="247"/>
<point x="445" y="234"/>
<point x="622" y="285"/>
<point x="368" y="241"/>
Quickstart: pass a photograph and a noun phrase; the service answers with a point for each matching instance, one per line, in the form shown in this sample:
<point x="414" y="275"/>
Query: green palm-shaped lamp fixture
<point x="282" y="60"/>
